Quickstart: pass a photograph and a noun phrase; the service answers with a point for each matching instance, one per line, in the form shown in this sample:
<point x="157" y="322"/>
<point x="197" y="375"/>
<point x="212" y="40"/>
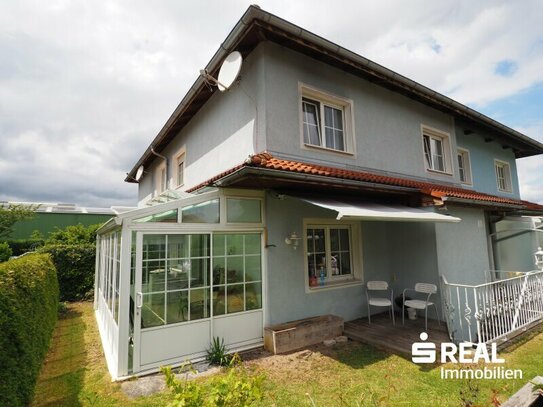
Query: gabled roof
<point x="435" y="191"/>
<point x="257" y="25"/>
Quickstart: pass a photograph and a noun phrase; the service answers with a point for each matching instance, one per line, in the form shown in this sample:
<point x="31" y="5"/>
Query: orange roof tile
<point x="266" y="160"/>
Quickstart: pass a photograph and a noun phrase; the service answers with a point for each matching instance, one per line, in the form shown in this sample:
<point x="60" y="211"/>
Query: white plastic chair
<point x="379" y="301"/>
<point x="423" y="288"/>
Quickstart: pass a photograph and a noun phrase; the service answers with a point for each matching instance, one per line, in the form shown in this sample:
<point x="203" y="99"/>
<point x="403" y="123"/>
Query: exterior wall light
<point x="293" y="240"/>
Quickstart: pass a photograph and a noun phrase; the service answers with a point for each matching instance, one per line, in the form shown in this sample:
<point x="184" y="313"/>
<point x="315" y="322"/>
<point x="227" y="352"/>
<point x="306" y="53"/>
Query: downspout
<point x="167" y="165"/>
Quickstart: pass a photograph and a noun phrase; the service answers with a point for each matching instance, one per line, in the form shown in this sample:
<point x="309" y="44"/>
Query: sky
<point x="85" y="85"/>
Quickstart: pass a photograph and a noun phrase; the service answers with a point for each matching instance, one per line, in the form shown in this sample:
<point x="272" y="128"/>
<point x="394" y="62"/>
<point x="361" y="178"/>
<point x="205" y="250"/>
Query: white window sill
<point x="332" y="285"/>
<point x="329" y="150"/>
<point x="439" y="172"/>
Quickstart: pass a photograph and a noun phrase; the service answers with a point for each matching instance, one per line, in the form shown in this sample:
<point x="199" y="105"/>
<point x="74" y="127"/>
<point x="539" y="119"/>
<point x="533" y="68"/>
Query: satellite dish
<point x="139" y="173"/>
<point x="229" y="71"/>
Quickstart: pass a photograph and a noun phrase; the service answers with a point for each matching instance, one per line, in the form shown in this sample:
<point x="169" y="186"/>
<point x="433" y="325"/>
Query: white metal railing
<point x="492" y="311"/>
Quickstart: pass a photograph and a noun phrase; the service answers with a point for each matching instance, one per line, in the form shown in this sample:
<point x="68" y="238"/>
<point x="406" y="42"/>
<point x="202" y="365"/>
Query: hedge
<point x="21" y="246"/>
<point x="28" y="314"/>
<point x="75" y="265"/>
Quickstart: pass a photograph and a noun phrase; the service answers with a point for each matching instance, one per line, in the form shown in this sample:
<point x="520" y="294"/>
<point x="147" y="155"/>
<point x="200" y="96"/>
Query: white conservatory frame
<point x="113" y="274"/>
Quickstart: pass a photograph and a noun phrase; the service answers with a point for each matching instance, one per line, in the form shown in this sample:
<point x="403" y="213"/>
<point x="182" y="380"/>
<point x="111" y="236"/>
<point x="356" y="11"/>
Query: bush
<point x="236" y="388"/>
<point x="75" y="234"/>
<point x="5" y="251"/>
<point x="75" y="269"/>
<point x="22" y="246"/>
<point x="28" y="313"/>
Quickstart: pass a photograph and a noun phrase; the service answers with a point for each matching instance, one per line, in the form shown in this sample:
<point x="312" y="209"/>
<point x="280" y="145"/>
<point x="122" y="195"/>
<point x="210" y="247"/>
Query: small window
<point x="180" y="168"/>
<point x="436" y="150"/>
<point x="161" y="180"/>
<point x="329" y="256"/>
<point x="205" y="212"/>
<point x="326" y="121"/>
<point x="464" y="166"/>
<point x="241" y="210"/>
<point x="503" y="176"/>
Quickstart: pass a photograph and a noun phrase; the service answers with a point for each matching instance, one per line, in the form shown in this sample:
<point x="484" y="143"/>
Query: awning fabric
<point x="378" y="212"/>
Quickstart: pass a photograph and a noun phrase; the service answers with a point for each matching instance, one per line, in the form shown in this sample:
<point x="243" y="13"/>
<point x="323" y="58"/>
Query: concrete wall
<point x="221" y="135"/>
<point x="387" y="125"/>
<point x="482" y="155"/>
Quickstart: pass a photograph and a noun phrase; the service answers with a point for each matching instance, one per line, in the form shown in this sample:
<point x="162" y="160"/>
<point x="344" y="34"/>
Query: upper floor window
<point x="326" y="121"/>
<point x="161" y="179"/>
<point x="503" y="176"/>
<point x="436" y="146"/>
<point x="180" y="168"/>
<point x="464" y="166"/>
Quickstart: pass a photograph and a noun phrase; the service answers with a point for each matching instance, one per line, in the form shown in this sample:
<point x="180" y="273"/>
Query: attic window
<point x="326" y="121"/>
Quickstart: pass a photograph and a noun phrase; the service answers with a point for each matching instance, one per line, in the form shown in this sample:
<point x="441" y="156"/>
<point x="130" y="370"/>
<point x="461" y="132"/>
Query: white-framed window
<point x="331" y="254"/>
<point x="464" y="166"/>
<point x="437" y="150"/>
<point x="179" y="171"/>
<point x="161" y="179"/>
<point x="503" y="176"/>
<point x="326" y="121"/>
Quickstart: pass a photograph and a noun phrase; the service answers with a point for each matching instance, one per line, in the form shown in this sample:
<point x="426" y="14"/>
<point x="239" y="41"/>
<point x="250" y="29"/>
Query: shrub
<point x="75" y="269"/>
<point x="28" y="313"/>
<point x="75" y="234"/>
<point x="217" y="353"/>
<point x="21" y="246"/>
<point x="236" y="388"/>
<point x="5" y="251"/>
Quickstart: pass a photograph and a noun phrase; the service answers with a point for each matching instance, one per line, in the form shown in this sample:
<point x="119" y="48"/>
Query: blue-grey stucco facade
<point x="261" y="113"/>
<point x="402" y="253"/>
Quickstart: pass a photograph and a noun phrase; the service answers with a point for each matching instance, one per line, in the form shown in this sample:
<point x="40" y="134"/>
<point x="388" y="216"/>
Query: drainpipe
<point x="167" y="165"/>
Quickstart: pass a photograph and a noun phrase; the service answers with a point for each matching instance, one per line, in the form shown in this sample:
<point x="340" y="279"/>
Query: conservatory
<point x="172" y="276"/>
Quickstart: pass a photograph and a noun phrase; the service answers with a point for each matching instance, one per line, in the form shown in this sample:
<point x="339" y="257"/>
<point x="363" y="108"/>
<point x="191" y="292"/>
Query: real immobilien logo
<point x="465" y="353"/>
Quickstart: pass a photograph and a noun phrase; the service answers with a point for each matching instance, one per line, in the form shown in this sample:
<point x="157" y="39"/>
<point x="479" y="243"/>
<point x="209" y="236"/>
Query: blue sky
<point x="85" y="86"/>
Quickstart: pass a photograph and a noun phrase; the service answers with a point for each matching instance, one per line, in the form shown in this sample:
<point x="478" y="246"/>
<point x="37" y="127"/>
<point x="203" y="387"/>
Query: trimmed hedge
<point x="75" y="265"/>
<point x="28" y="314"/>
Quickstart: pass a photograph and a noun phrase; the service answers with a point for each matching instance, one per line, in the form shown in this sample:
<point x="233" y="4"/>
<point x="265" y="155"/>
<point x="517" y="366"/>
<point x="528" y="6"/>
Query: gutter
<point x="480" y="202"/>
<point x="320" y="179"/>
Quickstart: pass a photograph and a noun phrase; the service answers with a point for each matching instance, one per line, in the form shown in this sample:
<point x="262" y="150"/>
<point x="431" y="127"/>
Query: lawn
<point x="349" y="374"/>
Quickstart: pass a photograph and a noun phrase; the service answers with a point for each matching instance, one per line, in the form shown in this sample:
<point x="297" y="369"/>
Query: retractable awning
<point x="373" y="211"/>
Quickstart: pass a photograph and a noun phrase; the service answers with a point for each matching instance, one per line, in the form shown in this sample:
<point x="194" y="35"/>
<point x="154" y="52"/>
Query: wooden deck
<point x="398" y="339"/>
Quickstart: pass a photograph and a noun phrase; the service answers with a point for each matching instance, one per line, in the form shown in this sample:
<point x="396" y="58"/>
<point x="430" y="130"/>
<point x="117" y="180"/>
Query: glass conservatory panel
<point x="242" y="210"/>
<point x="205" y="212"/>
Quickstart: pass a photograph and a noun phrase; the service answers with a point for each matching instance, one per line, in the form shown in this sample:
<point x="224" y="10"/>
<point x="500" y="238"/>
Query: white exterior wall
<point x="226" y="130"/>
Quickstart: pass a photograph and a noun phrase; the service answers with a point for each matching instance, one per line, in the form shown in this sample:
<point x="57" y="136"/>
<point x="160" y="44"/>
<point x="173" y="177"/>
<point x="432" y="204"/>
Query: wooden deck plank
<point x="399" y="338"/>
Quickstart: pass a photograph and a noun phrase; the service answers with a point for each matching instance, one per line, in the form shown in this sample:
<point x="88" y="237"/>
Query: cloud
<point x="85" y="86"/>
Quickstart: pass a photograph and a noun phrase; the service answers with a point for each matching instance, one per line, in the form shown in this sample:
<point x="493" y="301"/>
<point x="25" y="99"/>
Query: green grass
<point x="350" y="374"/>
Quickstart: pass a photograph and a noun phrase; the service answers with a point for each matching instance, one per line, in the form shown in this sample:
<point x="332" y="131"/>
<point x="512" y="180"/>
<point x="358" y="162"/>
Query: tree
<point x="11" y="215"/>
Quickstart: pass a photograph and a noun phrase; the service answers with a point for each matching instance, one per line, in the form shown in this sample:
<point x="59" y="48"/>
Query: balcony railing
<point x="494" y="311"/>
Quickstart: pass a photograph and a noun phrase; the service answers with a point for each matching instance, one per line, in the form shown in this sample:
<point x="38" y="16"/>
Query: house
<point x="316" y="172"/>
